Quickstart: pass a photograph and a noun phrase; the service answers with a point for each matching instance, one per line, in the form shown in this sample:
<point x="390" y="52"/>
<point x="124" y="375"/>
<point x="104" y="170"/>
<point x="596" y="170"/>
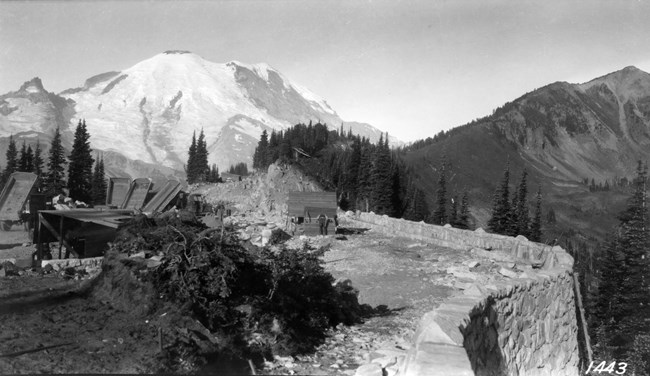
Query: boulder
<point x="508" y="273"/>
<point x="370" y="369"/>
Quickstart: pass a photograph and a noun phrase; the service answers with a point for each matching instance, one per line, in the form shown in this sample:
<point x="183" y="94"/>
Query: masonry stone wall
<point x="527" y="328"/>
<point x="524" y="324"/>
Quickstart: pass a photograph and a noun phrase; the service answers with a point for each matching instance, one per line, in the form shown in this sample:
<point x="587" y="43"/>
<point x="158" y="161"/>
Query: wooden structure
<point x="226" y="176"/>
<point x="83" y="232"/>
<point x="14" y="196"/>
<point x="305" y="207"/>
<point x="137" y="194"/>
<point x="117" y="190"/>
<point x="164" y="197"/>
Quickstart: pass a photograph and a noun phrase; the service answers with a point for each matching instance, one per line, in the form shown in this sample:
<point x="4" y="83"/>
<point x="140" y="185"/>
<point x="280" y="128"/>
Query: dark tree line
<point x="82" y="182"/>
<point x="621" y="305"/>
<point x="453" y="215"/>
<point x="511" y="216"/>
<point x="366" y="176"/>
<point x="239" y="169"/>
<point x="197" y="168"/>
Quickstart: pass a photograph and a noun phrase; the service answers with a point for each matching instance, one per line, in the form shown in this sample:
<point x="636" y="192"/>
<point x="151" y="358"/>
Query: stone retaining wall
<point x="523" y="324"/>
<point x="92" y="262"/>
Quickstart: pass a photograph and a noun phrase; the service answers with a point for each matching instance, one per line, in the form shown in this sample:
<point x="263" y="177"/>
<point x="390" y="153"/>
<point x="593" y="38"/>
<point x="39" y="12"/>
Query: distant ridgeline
<point x="365" y="176"/>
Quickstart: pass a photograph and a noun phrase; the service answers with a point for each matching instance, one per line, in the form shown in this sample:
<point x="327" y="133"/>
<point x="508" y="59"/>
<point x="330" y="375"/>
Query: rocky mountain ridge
<point x="561" y="134"/>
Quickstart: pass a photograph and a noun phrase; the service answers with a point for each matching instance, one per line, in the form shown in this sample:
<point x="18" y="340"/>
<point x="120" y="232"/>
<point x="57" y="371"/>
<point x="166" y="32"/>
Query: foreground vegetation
<point x="258" y="302"/>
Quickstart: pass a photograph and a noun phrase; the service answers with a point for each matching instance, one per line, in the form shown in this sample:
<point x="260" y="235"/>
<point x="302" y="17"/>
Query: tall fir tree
<point x="500" y="221"/>
<point x="54" y="180"/>
<point x="12" y="159"/>
<point x="513" y="218"/>
<point x="261" y="152"/>
<point x="38" y="160"/>
<point x="190" y="168"/>
<point x="80" y="169"/>
<point x="523" y="216"/>
<point x="535" y="233"/>
<point x="453" y="213"/>
<point x="440" y="214"/>
<point x="99" y="184"/>
<point x="381" y="180"/>
<point x="365" y="168"/>
<point x="29" y="159"/>
<point x="463" y="215"/>
<point x="22" y="161"/>
<point x="202" y="167"/>
<point x="623" y="302"/>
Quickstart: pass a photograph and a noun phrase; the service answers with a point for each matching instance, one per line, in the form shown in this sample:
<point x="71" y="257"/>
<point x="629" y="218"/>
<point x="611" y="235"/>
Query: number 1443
<point x="613" y="367"/>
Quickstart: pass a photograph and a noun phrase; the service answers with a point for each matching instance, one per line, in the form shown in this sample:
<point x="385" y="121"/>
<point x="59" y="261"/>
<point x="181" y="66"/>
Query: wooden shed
<point x="226" y="176"/>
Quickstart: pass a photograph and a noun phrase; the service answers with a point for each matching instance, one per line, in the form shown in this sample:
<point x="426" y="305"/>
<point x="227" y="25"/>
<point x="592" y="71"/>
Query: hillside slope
<point x="561" y="134"/>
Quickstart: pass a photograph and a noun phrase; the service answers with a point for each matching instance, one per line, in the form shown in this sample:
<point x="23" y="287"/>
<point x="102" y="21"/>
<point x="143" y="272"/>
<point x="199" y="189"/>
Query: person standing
<point x="322" y="223"/>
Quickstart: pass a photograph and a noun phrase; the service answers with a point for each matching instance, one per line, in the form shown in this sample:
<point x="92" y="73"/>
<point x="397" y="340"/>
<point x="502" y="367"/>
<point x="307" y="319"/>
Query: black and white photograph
<point x="325" y="187"/>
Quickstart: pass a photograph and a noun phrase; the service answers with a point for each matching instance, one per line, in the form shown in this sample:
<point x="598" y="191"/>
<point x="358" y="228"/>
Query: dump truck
<point x="13" y="199"/>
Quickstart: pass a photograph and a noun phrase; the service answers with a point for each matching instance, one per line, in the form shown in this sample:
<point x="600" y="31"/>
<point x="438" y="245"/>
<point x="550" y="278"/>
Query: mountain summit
<point x="148" y="112"/>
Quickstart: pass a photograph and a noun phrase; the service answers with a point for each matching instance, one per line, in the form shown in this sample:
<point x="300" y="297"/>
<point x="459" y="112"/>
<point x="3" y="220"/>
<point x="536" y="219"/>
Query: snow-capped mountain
<point x="148" y="113"/>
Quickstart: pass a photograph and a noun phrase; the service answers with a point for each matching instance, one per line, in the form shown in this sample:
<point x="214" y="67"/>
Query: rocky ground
<point x="49" y="323"/>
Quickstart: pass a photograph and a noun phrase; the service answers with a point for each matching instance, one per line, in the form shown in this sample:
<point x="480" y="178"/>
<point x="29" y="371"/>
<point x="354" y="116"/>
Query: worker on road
<point x="323" y="221"/>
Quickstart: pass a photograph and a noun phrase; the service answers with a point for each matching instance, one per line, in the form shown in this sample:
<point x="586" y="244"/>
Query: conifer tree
<point x="500" y="222"/>
<point x="261" y="152"/>
<point x="202" y="167"/>
<point x="190" y="169"/>
<point x="80" y="169"/>
<point x="99" y="185"/>
<point x="463" y="216"/>
<point x="513" y="218"/>
<point x="523" y="217"/>
<point x="55" y="165"/>
<point x="623" y="302"/>
<point x="38" y="160"/>
<point x="440" y="214"/>
<point x="29" y="159"/>
<point x="381" y="179"/>
<point x="22" y="161"/>
<point x="365" y="167"/>
<point x="12" y="159"/>
<point x="536" y="224"/>
<point x="273" y="150"/>
<point x="453" y="213"/>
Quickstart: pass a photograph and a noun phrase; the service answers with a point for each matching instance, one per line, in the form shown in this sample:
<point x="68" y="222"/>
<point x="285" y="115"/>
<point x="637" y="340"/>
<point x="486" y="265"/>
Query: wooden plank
<point x="163" y="197"/>
<point x="14" y="194"/>
<point x="53" y="231"/>
<point x="117" y="190"/>
<point x="137" y="195"/>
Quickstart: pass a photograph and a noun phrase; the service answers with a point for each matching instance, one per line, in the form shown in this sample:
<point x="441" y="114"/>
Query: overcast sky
<point x="411" y="68"/>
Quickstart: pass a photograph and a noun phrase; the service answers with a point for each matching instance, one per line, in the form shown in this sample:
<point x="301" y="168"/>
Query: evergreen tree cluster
<point x="455" y="216"/>
<point x="55" y="176"/>
<point x="239" y="169"/>
<point x="99" y="185"/>
<point x="213" y="176"/>
<point x="366" y="176"/>
<point x="83" y="183"/>
<point x="622" y="305"/>
<point x="80" y="169"/>
<point x="616" y="182"/>
<point x="197" y="168"/>
<point x="29" y="160"/>
<point x="511" y="216"/>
